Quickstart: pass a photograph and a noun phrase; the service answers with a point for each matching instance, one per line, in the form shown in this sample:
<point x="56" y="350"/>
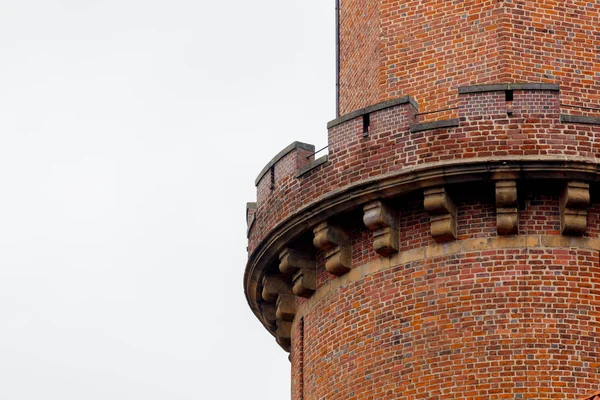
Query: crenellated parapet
<point x="389" y="138"/>
<point x="385" y="165"/>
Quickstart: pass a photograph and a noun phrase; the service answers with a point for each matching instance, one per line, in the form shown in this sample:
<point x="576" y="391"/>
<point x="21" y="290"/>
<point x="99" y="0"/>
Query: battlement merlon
<point x="294" y="149"/>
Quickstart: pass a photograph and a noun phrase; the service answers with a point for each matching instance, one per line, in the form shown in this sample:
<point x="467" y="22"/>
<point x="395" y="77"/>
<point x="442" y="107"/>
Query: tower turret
<point x="448" y="244"/>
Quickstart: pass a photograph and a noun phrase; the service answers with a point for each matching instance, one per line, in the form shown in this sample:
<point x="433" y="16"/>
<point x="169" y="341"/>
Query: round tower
<point x="448" y="243"/>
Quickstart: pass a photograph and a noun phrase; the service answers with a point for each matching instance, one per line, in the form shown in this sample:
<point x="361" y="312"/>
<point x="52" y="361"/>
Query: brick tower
<point x="447" y="246"/>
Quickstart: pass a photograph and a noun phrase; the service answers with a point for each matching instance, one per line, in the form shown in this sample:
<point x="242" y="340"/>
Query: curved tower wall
<point x="451" y="254"/>
<point x="427" y="49"/>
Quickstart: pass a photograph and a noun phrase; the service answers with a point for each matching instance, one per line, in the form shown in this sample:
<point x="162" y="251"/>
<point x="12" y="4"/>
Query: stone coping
<point x="500" y="87"/>
<point x="249" y="207"/>
<point x="429" y="126"/>
<point x="281" y="154"/>
<point x="443" y="250"/>
<point x="496" y="87"/>
<point x="579" y="119"/>
<point x="314" y="164"/>
<point x="373" y="108"/>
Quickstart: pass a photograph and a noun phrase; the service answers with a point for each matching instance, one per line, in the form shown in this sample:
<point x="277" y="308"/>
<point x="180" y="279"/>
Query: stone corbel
<point x="274" y="286"/>
<point x="277" y="289"/>
<point x="382" y="220"/>
<point x="302" y="265"/>
<point x="442" y="212"/>
<point x="291" y="260"/>
<point x="574" y="202"/>
<point x="305" y="282"/>
<point x="336" y="244"/>
<point x="283" y="335"/>
<point x="507" y="211"/>
<point x="286" y="308"/>
<point x="269" y="314"/>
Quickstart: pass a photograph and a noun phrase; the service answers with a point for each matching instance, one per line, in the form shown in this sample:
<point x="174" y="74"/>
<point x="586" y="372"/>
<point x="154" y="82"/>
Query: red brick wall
<point x="414" y="226"/>
<point x="476" y="219"/>
<point x="541" y="216"/>
<point x="362" y="248"/>
<point x="428" y="48"/>
<point x="482" y="325"/>
<point x="555" y="41"/>
<point x="359" y="54"/>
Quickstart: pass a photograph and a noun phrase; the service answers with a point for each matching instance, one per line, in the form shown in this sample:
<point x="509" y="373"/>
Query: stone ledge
<point x="429" y="126"/>
<point x="281" y="154"/>
<point x="579" y="119"/>
<point x="501" y="87"/>
<point x="373" y="108"/>
<point x="316" y="163"/>
<point x="250" y="206"/>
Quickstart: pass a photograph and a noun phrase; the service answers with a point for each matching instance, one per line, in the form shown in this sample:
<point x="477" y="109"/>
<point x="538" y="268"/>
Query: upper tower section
<point x="428" y="48"/>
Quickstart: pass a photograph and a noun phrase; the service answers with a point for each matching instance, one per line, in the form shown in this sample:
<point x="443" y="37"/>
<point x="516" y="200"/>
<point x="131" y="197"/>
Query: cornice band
<point x="400" y="183"/>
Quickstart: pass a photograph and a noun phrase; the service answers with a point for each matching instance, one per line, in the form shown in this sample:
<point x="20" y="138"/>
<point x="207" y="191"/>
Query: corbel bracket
<point x="291" y="260"/>
<point x="269" y="314"/>
<point x="283" y="335"/>
<point x="277" y="289"/>
<point x="286" y="308"/>
<point x="335" y="242"/>
<point x="442" y="212"/>
<point x="280" y="306"/>
<point x="574" y="202"/>
<point x="305" y="282"/>
<point x="507" y="211"/>
<point x="302" y="265"/>
<point x="273" y="286"/>
<point x="382" y="220"/>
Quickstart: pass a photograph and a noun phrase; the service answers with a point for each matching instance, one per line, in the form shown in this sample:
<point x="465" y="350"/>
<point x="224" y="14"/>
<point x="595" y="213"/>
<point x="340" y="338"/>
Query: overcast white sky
<point x="130" y="136"/>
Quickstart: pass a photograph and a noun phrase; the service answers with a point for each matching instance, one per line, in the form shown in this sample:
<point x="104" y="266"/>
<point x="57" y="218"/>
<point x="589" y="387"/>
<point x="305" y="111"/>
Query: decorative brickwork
<point x="451" y="254"/>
